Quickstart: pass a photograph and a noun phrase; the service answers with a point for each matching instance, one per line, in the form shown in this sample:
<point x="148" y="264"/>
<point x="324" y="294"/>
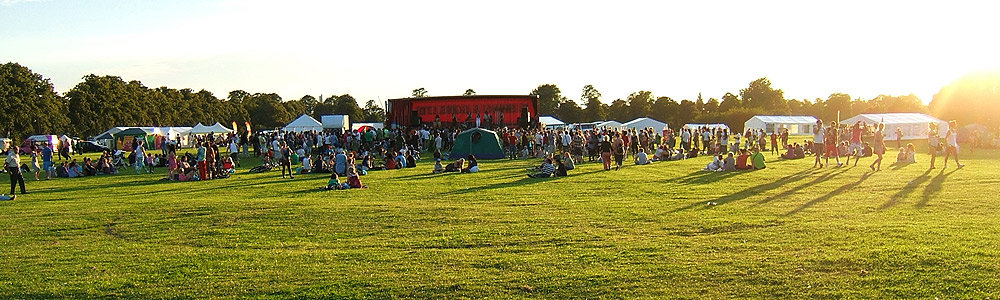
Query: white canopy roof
<point x="215" y="128"/>
<point x="612" y="124"/>
<point x="893" y="118"/>
<point x="643" y="123"/>
<point x="335" y="121"/>
<point x="550" y="121"/>
<point x="709" y="126"/>
<point x="911" y="125"/>
<point x="304" y="123"/>
<point x="786" y="119"/>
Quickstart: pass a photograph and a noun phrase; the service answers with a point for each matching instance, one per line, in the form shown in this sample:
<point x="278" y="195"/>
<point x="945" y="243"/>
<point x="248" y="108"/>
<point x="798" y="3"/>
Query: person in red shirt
<point x="856" y="146"/>
<point x="743" y="160"/>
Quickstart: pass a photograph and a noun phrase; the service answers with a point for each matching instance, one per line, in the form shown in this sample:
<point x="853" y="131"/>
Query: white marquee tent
<point x="336" y="121"/>
<point x="693" y="126"/>
<point x="304" y="123"/>
<point x="215" y="128"/>
<point x="913" y="125"/>
<point x="550" y="122"/>
<point x="608" y="125"/>
<point x="772" y="124"/>
<point x="643" y="123"/>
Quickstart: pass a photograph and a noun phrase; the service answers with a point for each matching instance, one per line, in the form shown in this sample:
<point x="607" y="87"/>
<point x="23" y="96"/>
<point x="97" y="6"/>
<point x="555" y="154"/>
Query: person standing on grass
<point x="140" y="157"/>
<point x="830" y="138"/>
<point x="899" y="137"/>
<point x="856" y="146"/>
<point x="234" y="151"/>
<point x="286" y="162"/>
<point x="34" y="163"/>
<point x="605" y="149"/>
<point x="47" y="160"/>
<point x="952" y="148"/>
<point x="618" y="146"/>
<point x="933" y="142"/>
<point x="171" y="163"/>
<point x="879" y="146"/>
<point x="13" y="164"/>
<point x="202" y="168"/>
<point x="818" y="147"/>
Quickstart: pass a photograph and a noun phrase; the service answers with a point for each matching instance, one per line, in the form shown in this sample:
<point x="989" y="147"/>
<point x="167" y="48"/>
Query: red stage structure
<point x="516" y="110"/>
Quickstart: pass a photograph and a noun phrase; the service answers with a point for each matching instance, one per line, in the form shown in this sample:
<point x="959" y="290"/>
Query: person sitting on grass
<point x="901" y="157"/>
<point x="560" y="168"/>
<point x="641" y="158"/>
<point x="333" y="183"/>
<point x="455" y="166"/>
<point x="729" y="164"/>
<point x="353" y="179"/>
<point x="62" y="170"/>
<point x="227" y="166"/>
<point x="473" y="165"/>
<point x="911" y="154"/>
<point x="715" y="165"/>
<point x="693" y="153"/>
<point x="438" y="168"/>
<point x="411" y="161"/>
<point x="545" y="170"/>
<point x="306" y="167"/>
<point x="867" y="150"/>
<point x="677" y="156"/>
<point x="743" y="160"/>
<point x="758" y="160"/>
<point x="568" y="161"/>
<point x="73" y="170"/>
<point x="7" y="198"/>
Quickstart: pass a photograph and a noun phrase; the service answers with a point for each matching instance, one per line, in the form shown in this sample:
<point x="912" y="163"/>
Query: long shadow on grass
<point x="906" y="190"/>
<point x="521" y="182"/>
<point x="933" y="188"/>
<point x="753" y="191"/>
<point x="829" y="195"/>
<point x="798" y="188"/>
<point x="91" y="179"/>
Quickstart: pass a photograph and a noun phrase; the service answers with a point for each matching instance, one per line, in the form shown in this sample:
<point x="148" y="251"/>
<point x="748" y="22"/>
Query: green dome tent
<point x="482" y="143"/>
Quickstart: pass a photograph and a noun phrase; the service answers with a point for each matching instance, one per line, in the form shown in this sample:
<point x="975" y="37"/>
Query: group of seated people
<point x="744" y="161"/>
<point x="353" y="181"/>
<point x="553" y="165"/>
<point x="458" y="166"/>
<point x="794" y="151"/>
<point x="88" y="167"/>
<point x="664" y="153"/>
<point x="907" y="155"/>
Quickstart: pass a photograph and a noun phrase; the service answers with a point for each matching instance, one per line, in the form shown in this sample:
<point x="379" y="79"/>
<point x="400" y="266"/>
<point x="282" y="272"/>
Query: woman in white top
<point x="952" y="148"/>
<point x="933" y="141"/>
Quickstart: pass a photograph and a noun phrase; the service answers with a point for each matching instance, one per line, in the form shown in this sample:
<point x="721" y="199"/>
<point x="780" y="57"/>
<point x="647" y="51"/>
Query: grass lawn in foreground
<point x="646" y="231"/>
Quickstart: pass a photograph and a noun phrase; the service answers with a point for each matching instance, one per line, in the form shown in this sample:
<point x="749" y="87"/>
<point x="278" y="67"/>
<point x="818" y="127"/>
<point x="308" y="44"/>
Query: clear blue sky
<point x="381" y="50"/>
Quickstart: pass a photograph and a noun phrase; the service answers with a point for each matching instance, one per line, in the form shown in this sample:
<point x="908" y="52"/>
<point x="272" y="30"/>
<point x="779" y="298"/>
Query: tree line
<point x="29" y="105"/>
<point x="758" y="98"/>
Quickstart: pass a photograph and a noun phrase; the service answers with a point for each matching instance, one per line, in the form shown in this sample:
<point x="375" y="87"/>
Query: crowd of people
<point x="354" y="153"/>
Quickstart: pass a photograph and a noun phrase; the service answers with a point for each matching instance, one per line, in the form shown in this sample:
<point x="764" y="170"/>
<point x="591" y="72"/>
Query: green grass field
<point x="646" y="231"/>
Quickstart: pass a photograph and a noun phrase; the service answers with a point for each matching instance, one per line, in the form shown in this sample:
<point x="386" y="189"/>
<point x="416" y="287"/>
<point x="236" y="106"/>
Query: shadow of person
<point x="933" y="188"/>
<point x="906" y="190"/>
<point x="829" y="195"/>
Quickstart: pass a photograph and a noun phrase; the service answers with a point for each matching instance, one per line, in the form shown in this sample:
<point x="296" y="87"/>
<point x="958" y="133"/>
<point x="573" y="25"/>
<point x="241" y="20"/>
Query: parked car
<point x="91" y="146"/>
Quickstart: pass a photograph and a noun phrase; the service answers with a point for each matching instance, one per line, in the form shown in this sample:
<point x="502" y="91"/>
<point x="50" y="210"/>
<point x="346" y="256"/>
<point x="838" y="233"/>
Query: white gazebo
<point x="608" y="125"/>
<point x="643" y="123"/>
<point x="304" y="123"/>
<point x="550" y="122"/>
<point x="913" y="125"/>
<point x="773" y="124"/>
<point x="336" y="121"/>
<point x="693" y="126"/>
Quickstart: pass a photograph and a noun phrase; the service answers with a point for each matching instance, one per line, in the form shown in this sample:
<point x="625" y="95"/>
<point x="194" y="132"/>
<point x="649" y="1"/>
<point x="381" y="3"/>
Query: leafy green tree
<point x="594" y="109"/>
<point x="347" y="105"/>
<point x="619" y="111"/>
<point x="687" y="111"/>
<point x="569" y="111"/>
<point x="29" y="104"/>
<point x="665" y="109"/>
<point x="469" y="92"/>
<point x="639" y="105"/>
<point x="548" y="98"/>
<point x="373" y="112"/>
<point x="309" y="102"/>
<point x="419" y="93"/>
<point x="729" y="102"/>
<point x="760" y="94"/>
<point x="837" y="102"/>
<point x="712" y="106"/>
